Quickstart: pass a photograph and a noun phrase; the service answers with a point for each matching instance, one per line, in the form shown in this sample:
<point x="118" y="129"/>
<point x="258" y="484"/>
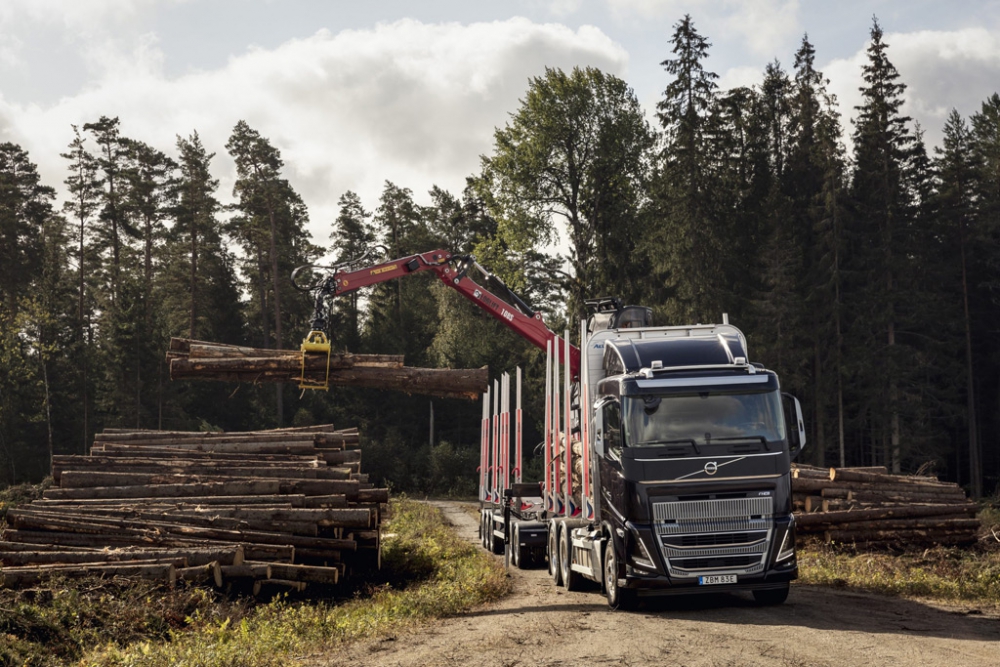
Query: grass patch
<point x="428" y="572"/>
<point x="942" y="574"/>
<point x="20" y="494"/>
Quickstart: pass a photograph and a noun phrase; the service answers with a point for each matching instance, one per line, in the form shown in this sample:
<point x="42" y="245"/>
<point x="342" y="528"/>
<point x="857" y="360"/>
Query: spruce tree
<point x="687" y="242"/>
<point x="883" y="147"/>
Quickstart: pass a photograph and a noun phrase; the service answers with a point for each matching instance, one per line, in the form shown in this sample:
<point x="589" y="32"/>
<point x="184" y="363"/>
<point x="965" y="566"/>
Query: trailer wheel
<point x="553" y="554"/>
<point x="624" y="599"/>
<point x="771" y="596"/>
<point x="571" y="580"/>
<point x="483" y="533"/>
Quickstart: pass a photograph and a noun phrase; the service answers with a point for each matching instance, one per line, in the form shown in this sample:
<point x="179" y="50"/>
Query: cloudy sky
<point x="357" y="93"/>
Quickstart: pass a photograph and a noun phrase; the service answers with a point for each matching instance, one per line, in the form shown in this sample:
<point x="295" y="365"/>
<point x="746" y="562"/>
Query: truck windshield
<point x="702" y="418"/>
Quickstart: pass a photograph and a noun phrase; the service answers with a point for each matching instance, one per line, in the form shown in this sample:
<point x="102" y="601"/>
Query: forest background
<point x="861" y="265"/>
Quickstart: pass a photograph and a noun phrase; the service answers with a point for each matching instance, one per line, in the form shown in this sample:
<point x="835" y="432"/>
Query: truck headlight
<point x="787" y="548"/>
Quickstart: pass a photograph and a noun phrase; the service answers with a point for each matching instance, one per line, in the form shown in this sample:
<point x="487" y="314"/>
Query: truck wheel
<point x="624" y="599"/>
<point x="771" y="596"/>
<point x="571" y="579"/>
<point x="553" y="554"/>
<point x="483" y="533"/>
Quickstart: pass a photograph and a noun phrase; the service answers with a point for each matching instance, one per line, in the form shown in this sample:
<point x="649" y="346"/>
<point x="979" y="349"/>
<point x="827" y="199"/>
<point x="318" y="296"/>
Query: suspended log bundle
<point x="285" y="508"/>
<point x="199" y="360"/>
<point x="871" y="509"/>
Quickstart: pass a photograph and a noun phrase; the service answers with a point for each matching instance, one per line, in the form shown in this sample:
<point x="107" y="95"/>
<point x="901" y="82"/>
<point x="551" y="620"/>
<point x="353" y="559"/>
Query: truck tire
<point x="623" y="599"/>
<point x="553" y="553"/>
<point x="484" y="534"/>
<point x="571" y="580"/>
<point x="771" y="596"/>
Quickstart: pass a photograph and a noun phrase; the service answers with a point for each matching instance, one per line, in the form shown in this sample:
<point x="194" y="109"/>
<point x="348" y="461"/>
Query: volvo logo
<point x="711" y="468"/>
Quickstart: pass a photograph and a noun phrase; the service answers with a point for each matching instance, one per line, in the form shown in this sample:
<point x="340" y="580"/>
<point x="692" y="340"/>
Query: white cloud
<point x="85" y="15"/>
<point x="563" y="8"/>
<point x="942" y="70"/>
<point x="409" y="102"/>
<point x="740" y="76"/>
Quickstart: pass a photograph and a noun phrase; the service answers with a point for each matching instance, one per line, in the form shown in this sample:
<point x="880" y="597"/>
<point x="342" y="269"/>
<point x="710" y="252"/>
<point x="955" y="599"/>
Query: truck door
<point x="608" y="432"/>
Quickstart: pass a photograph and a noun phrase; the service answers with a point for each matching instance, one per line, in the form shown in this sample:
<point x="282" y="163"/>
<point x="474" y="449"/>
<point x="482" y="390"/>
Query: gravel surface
<point x="540" y="624"/>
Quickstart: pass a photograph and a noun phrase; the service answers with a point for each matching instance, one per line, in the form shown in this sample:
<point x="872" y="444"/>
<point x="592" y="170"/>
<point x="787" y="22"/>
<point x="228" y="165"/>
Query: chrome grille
<point x="730" y="535"/>
<point x="708" y="510"/>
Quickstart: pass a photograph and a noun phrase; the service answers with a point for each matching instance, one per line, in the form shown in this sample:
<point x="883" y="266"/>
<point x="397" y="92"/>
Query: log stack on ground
<point x="200" y="360"/>
<point x="287" y="507"/>
<point x="872" y="509"/>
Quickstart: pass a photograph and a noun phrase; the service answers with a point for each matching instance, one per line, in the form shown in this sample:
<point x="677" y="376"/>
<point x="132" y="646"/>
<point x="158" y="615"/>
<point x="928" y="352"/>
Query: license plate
<point x="717" y="579"/>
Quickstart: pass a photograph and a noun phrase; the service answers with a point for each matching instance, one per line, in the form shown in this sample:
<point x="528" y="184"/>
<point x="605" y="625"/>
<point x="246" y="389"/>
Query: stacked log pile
<point x="872" y="509"/>
<point x="199" y="360"/>
<point x="285" y="508"/>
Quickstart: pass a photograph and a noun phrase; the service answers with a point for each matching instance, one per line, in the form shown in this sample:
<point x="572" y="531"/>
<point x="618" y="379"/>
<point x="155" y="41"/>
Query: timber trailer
<point x="685" y="448"/>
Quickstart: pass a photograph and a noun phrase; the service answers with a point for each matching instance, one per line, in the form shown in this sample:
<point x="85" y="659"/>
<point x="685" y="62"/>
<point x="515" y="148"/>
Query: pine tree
<point x="83" y="184"/>
<point x="353" y="237"/>
<point x="270" y="225"/>
<point x="114" y="227"/>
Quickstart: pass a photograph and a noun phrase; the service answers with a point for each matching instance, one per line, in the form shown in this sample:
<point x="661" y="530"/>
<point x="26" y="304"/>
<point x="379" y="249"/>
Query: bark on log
<point x="373" y="496"/>
<point x="180" y="557"/>
<point x="251" y="550"/>
<point x="209" y="572"/>
<point x="26" y="576"/>
<point x="252" y="448"/>
<point x="826" y="518"/>
<point x="876" y="478"/>
<point x="247" y="570"/>
<point x="157" y="438"/>
<point x="344" y="370"/>
<point x="73" y="479"/>
<point x="295" y="500"/>
<point x="808" y="485"/>
<point x="311" y="573"/>
<point x="268" y="487"/>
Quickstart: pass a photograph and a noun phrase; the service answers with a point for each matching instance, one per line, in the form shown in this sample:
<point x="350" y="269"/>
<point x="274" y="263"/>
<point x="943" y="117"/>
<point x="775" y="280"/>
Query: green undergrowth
<point x="19" y="494"/>
<point x="427" y="572"/>
<point x="941" y="574"/>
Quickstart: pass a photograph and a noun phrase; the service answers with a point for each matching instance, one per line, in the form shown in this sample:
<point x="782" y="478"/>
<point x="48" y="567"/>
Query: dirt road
<point x="543" y="625"/>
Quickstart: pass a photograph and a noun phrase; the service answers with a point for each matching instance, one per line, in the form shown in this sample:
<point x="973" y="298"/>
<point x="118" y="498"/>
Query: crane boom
<point x="452" y="269"/>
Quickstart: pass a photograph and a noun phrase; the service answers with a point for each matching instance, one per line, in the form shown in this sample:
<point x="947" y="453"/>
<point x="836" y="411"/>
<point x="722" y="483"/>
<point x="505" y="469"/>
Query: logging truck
<point x="667" y="451"/>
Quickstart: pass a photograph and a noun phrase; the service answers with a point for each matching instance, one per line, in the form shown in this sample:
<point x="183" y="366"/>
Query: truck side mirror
<point x="795" y="427"/>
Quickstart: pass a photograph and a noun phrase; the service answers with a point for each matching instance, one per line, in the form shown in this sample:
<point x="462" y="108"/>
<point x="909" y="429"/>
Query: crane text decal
<point x="383" y="269"/>
<point x="506" y="314"/>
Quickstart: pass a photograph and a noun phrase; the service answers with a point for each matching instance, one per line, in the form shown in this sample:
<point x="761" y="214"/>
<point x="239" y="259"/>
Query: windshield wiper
<point x="681" y="441"/>
<point x="756" y="438"/>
